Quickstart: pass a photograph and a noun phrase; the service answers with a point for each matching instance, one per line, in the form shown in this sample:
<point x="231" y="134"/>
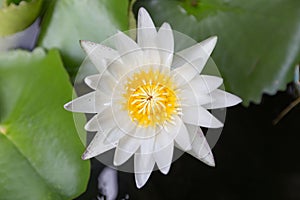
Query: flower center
<point x="151" y="101"/>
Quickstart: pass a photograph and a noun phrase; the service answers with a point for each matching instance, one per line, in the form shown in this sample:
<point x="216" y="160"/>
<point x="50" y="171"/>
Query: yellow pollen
<point x="151" y="99"/>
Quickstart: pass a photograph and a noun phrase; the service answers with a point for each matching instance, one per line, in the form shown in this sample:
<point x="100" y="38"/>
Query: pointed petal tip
<point x="211" y="164"/>
<point x="212" y="40"/>
<point x="86" y="45"/>
<point x="141" y="179"/>
<point x="139" y="185"/>
<point x="117" y="163"/>
<point x="87" y="81"/>
<point x="209" y="44"/>
<point x="209" y="160"/>
<point x="165" y="170"/>
<point x="142" y="11"/>
<point x="83" y="43"/>
<point x="68" y="106"/>
<point x="238" y="100"/>
<point x="166" y="25"/>
<point x="219" y="125"/>
<point x="85" y="156"/>
<point x="216" y="123"/>
<point x="86" y="127"/>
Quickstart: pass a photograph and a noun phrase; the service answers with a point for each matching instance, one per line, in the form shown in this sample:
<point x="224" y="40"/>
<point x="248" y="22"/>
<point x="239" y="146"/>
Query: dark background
<point x="254" y="160"/>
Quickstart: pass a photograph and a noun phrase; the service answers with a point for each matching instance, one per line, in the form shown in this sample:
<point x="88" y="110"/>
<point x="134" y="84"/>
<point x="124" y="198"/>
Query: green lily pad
<point x="15" y="1"/>
<point x="39" y="147"/>
<point x="69" y="21"/>
<point x="15" y="16"/>
<point x="258" y="41"/>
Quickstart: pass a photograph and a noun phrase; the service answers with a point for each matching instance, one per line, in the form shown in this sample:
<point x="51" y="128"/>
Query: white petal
<point x="143" y="166"/>
<point x="164" y="144"/>
<point x="106" y="83"/>
<point x="165" y="44"/>
<point x="182" y="138"/>
<point x="118" y="69"/>
<point x="85" y="104"/>
<point x="114" y="135"/>
<point x="144" y="133"/>
<point x="143" y="161"/>
<point x="184" y="74"/>
<point x="102" y="121"/>
<point x="127" y="146"/>
<point x="162" y="140"/>
<point x="123" y="121"/>
<point x="97" y="146"/>
<point x="174" y="127"/>
<point x="199" y="116"/>
<point x="147" y="38"/>
<point x="92" y="124"/>
<point x="209" y="44"/>
<point x="197" y="54"/>
<point x="201" y="149"/>
<point x="151" y="57"/>
<point x="98" y="53"/>
<point x="146" y="30"/>
<point x="209" y="159"/>
<point x="131" y="54"/>
<point x="163" y="154"/>
<point x="205" y="84"/>
<point x="92" y="81"/>
<point x="222" y="99"/>
<point x="189" y="97"/>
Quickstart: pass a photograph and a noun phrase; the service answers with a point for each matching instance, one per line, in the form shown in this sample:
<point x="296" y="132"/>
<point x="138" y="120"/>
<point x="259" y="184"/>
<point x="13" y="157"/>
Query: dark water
<point x="254" y="160"/>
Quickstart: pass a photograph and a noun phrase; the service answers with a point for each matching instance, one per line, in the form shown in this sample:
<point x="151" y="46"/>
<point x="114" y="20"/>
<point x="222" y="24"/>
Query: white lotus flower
<point x="147" y="101"/>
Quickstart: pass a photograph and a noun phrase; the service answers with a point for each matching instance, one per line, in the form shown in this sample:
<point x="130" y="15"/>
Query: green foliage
<point x="69" y="21"/>
<point x="39" y="147"/>
<point x="259" y="41"/>
<point x="257" y="51"/>
<point x="15" y="1"/>
<point x="17" y="15"/>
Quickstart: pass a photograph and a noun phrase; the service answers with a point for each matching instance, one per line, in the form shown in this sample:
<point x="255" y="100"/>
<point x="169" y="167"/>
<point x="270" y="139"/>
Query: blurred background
<point x="257" y="53"/>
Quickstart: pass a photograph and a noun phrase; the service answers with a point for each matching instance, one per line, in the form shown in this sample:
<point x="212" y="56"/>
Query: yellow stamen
<point x="151" y="98"/>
